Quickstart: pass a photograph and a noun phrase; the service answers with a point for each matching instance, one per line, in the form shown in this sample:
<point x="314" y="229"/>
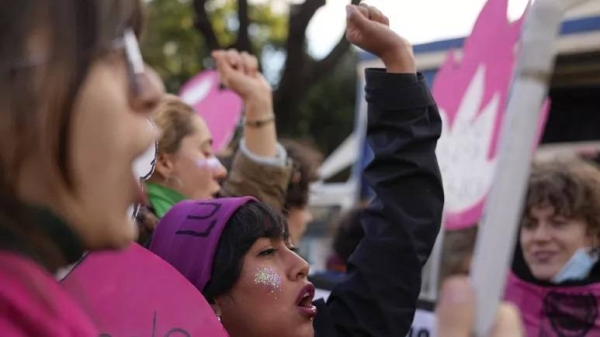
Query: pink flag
<point x="472" y="89"/>
<point x="220" y="108"/>
<point x="135" y="293"/>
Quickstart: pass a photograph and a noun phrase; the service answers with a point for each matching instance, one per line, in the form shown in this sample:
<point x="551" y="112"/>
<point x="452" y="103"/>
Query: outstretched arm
<point x="260" y="168"/>
<point x="379" y="296"/>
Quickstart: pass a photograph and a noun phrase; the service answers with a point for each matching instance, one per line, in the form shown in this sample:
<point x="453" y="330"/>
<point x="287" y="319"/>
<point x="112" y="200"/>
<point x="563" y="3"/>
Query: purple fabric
<point x="556" y="311"/>
<point x="188" y="235"/>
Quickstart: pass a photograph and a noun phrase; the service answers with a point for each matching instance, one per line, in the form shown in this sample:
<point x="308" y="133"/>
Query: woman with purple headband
<point x="237" y="252"/>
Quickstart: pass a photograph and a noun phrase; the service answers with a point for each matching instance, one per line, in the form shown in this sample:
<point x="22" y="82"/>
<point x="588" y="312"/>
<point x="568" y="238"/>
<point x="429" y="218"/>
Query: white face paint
<point x="143" y="167"/>
<point x="212" y="162"/>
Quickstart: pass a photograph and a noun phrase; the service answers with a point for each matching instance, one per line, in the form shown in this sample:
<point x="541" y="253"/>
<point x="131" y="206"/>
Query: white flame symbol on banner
<point x="464" y="147"/>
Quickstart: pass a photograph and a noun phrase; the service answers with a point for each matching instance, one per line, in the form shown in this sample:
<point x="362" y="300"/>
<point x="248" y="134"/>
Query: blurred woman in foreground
<point x="75" y="98"/>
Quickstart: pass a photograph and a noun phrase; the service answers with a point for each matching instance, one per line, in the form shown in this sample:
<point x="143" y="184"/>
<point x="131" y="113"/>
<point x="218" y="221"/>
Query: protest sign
<point x="135" y="293"/>
<point x="472" y="88"/>
<point x="221" y="108"/>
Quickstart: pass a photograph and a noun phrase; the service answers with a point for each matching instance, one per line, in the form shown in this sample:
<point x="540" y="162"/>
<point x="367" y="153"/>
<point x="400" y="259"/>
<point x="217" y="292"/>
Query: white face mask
<point x="578" y="267"/>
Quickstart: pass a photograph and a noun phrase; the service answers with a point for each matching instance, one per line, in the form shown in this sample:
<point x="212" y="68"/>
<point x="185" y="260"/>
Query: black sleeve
<point x="379" y="296"/>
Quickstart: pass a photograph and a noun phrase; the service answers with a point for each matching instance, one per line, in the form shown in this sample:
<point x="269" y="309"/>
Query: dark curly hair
<point x="571" y="187"/>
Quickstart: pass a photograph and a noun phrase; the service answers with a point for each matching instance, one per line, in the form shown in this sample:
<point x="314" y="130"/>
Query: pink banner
<point x="472" y="89"/>
<point x="220" y="108"/>
<point x="135" y="293"/>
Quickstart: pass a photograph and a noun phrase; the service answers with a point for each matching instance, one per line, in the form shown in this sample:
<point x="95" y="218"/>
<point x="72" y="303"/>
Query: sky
<point x="419" y="21"/>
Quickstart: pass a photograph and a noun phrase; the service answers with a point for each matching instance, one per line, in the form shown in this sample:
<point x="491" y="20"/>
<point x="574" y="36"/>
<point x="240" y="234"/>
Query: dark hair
<point x="305" y="163"/>
<point x="571" y="187"/>
<point x="349" y="233"/>
<point x="249" y="223"/>
<point x="46" y="50"/>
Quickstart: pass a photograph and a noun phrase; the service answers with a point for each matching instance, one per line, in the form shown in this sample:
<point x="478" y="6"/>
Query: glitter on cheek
<point x="268" y="277"/>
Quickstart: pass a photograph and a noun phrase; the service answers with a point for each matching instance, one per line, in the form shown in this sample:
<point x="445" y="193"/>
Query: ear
<point x="164" y="165"/>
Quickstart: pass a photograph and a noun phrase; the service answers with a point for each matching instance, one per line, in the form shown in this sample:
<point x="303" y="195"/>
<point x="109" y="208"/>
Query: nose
<point x="299" y="267"/>
<point x="151" y="91"/>
<point x="220" y="172"/>
<point x="541" y="233"/>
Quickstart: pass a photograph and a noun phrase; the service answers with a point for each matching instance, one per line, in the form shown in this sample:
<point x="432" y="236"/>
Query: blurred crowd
<point x="75" y="106"/>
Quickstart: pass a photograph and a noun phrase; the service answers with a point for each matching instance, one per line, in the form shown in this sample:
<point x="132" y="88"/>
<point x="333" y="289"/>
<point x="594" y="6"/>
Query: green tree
<point x="177" y="48"/>
<point x="313" y="98"/>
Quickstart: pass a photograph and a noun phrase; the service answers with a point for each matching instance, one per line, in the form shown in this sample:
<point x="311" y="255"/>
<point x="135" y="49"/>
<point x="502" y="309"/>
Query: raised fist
<point x="369" y="29"/>
<point x="239" y="72"/>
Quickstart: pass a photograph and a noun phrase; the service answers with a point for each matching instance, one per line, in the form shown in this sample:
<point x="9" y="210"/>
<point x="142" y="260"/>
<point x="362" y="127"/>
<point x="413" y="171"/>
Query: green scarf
<point x="162" y="198"/>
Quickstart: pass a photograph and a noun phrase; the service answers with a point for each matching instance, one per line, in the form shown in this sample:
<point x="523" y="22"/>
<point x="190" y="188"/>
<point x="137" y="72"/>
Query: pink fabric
<point x="133" y="292"/>
<point x="556" y="311"/>
<point x="33" y="304"/>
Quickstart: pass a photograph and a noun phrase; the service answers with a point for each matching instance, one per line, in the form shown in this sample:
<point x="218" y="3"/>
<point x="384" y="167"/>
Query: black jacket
<point x="379" y="296"/>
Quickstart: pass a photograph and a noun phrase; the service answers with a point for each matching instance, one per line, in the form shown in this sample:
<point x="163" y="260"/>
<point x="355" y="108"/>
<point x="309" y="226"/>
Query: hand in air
<point x="368" y="28"/>
<point x="239" y="72"/>
<point x="456" y="313"/>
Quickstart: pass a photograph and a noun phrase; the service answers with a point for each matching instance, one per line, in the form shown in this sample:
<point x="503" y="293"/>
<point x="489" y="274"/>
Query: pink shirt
<point x="32" y="303"/>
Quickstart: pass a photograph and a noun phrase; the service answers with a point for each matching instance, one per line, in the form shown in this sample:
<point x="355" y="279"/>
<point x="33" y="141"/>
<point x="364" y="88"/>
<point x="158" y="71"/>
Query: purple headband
<point x="188" y="235"/>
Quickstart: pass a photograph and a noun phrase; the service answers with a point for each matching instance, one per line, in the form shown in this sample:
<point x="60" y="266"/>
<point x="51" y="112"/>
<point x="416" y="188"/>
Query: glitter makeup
<point x="268" y="277"/>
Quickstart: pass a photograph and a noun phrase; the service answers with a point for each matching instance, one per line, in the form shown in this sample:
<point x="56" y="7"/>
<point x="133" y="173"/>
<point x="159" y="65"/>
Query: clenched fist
<point x="239" y="72"/>
<point x="369" y="29"/>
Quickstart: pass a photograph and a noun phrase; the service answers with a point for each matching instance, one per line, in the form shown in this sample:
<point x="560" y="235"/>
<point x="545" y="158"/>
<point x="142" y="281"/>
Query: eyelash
<point x="272" y="251"/>
<point x="268" y="252"/>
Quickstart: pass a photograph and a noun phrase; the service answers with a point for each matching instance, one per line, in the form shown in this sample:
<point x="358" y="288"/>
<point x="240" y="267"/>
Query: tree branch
<point x="300" y="15"/>
<point x="203" y="25"/>
<point x="323" y="66"/>
<point x="319" y="68"/>
<point x="243" y="39"/>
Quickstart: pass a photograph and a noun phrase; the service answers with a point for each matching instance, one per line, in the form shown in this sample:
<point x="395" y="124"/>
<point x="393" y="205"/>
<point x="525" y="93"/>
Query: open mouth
<point x="304" y="302"/>
<point x="543" y="256"/>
